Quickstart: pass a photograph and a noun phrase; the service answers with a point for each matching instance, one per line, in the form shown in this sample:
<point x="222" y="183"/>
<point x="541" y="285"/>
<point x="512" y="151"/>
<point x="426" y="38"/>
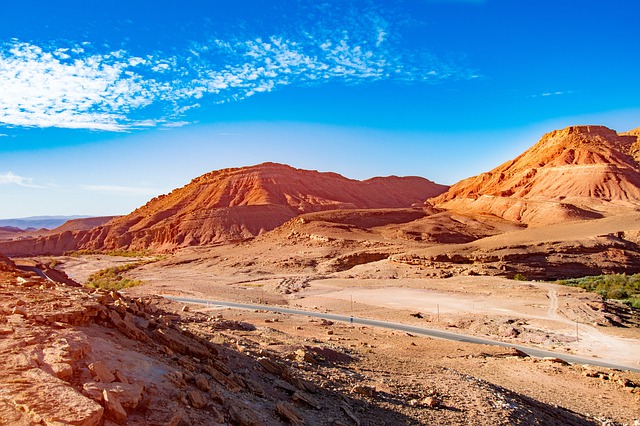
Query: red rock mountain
<point x="575" y="173"/>
<point x="234" y="204"/>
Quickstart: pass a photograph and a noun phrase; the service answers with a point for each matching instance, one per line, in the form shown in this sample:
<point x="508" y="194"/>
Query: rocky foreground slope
<point x="82" y="357"/>
<point x="73" y="356"/>
<point x="580" y="172"/>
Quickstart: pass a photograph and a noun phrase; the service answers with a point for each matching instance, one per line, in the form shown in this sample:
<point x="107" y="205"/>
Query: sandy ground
<point x="535" y="305"/>
<point x="539" y="314"/>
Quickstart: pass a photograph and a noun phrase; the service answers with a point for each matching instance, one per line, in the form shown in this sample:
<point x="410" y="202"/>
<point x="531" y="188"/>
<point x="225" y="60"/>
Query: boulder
<point x="26" y="390"/>
<point x="180" y="343"/>
<point x="101" y="373"/>
<point x="203" y="383"/>
<point x="113" y="407"/>
<point x="300" y="396"/>
<point x="241" y="413"/>
<point x="196" y="398"/>
<point x="289" y="412"/>
<point x="364" y="390"/>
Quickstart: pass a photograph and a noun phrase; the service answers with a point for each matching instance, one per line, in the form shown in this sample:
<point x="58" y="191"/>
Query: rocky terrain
<point x="83" y="224"/>
<point x="11" y="232"/>
<point x="71" y="355"/>
<point x="231" y="205"/>
<point x="558" y="251"/>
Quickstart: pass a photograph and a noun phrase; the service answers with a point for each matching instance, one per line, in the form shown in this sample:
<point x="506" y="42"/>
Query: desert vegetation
<point x="113" y="278"/>
<point x="116" y="252"/>
<point x="623" y="287"/>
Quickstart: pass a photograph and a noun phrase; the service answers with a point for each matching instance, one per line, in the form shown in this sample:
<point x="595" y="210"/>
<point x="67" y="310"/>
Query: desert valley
<point x="273" y="295"/>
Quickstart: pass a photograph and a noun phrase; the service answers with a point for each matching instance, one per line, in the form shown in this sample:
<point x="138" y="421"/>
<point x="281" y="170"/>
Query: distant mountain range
<point x="578" y="173"/>
<point x="38" y="222"/>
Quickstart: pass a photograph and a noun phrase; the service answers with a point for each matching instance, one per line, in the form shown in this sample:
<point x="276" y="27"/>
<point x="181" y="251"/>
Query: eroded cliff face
<point x="231" y="205"/>
<point x="579" y="172"/>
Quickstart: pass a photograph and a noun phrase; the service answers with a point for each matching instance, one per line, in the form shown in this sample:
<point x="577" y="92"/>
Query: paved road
<point x="533" y="352"/>
<point x="36" y="270"/>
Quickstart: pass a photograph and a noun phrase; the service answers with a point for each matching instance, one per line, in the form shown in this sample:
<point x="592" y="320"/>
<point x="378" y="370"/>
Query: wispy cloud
<point x="121" y="190"/>
<point x="10" y="178"/>
<point x="79" y="85"/>
<point x="556" y="93"/>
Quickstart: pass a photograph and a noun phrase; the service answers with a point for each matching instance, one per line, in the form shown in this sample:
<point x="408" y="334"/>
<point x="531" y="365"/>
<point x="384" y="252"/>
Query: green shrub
<point x="634" y="302"/>
<point x="617" y="293"/>
<point x="112" y="279"/>
<point x="520" y="277"/>
<point x="118" y="252"/>
<point x="614" y="286"/>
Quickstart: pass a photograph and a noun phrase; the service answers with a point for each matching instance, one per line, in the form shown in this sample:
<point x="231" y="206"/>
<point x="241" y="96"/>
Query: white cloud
<point x="122" y="190"/>
<point x="3" y="135"/>
<point x="553" y="93"/>
<point x="173" y="124"/>
<point x="10" y="178"/>
<point x="49" y="88"/>
<point x="78" y="85"/>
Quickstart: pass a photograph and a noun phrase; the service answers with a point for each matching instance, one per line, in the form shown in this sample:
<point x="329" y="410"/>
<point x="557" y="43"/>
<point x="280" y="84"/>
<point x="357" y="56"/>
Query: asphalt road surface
<point x="439" y="334"/>
<point x="36" y="270"/>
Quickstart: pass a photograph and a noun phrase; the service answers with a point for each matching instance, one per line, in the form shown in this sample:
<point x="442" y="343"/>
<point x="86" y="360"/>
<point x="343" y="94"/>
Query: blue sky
<point x="103" y="106"/>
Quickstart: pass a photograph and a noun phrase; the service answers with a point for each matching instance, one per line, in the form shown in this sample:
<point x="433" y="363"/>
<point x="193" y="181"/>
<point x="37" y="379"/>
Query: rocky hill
<point x="10" y="232"/>
<point x="82" y="224"/>
<point x="105" y="358"/>
<point x="83" y="357"/>
<point x="579" y="172"/>
<point x="231" y="205"/>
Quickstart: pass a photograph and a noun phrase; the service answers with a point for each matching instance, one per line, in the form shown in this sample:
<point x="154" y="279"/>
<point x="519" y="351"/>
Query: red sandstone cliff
<point x="576" y="173"/>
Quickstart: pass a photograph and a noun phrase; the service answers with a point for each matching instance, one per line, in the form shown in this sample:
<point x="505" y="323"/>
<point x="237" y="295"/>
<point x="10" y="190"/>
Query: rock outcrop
<point x="566" y="250"/>
<point x="579" y="172"/>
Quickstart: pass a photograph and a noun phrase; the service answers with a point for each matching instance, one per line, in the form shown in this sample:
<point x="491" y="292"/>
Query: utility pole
<point x="577" y="337"/>
<point x="351" y="317"/>
<point x="438" y="313"/>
